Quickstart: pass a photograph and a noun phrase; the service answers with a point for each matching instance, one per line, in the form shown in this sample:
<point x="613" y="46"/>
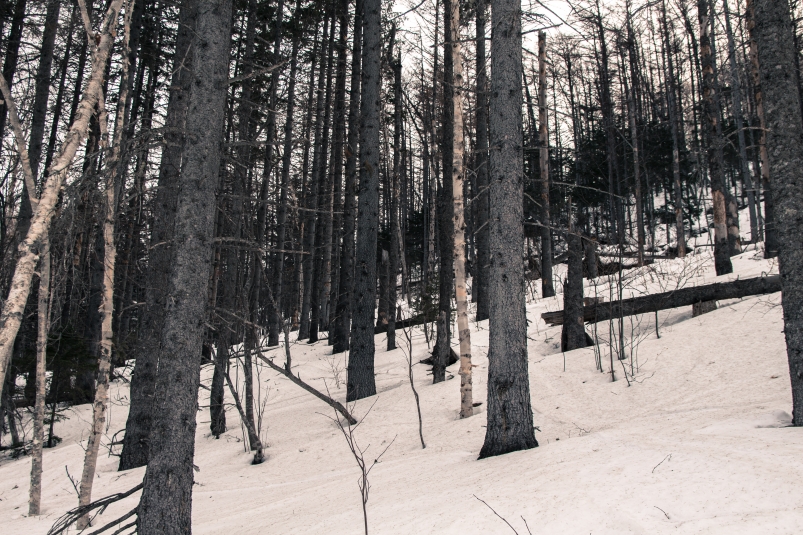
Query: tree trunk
<point x="323" y="243"/>
<point x="136" y="443"/>
<point x="311" y="238"/>
<point x="445" y="209"/>
<point x="722" y="260"/>
<point x="361" y="382"/>
<point x="43" y="326"/>
<point x="773" y="35"/>
<point x="510" y="416"/>
<point x="458" y="176"/>
<point x="99" y="406"/>
<point x="281" y="213"/>
<point x="573" y="335"/>
<point x="737" y="112"/>
<point x="395" y="244"/>
<point x="343" y="312"/>
<point x="673" y="127"/>
<point x="770" y="229"/>
<point x="480" y="275"/>
<point x="166" y="503"/>
<point x="547" y="286"/>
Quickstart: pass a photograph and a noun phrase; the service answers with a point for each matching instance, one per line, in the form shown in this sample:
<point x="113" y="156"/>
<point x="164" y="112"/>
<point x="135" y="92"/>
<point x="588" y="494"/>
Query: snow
<point x="698" y="443"/>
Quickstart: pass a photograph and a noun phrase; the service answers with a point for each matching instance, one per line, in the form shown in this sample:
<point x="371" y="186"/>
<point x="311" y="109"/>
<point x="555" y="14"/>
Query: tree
<point x="480" y="274"/>
<point x="166" y="502"/>
<point x="136" y="442"/>
<point x="13" y="307"/>
<point x="458" y="211"/>
<point x="547" y="285"/>
<point x="361" y="382"/>
<point x="779" y="80"/>
<point x="712" y="123"/>
<point x="510" y="415"/>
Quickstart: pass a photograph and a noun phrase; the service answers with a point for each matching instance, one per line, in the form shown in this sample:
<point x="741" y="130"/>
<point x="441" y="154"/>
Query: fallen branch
<point x="677" y="298"/>
<point x="323" y="397"/>
<point x="63" y="523"/>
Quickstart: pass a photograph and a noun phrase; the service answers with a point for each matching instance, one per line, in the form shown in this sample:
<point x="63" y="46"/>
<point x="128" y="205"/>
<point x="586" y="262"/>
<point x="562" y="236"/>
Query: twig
<point x="72" y="515"/>
<point x="497" y="514"/>
<point x="113" y="523"/>
<point x="659" y="464"/>
<point x="258" y="455"/>
<point x="526" y="526"/>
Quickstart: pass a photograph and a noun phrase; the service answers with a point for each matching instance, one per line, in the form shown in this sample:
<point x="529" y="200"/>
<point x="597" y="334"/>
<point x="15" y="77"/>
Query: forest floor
<point x="695" y="440"/>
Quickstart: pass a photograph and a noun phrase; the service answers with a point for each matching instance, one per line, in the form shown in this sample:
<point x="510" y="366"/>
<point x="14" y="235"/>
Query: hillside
<point x="696" y="443"/>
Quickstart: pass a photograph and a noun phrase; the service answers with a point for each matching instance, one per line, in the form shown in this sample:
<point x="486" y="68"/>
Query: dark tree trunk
<point x="770" y="230"/>
<point x="42" y="91"/>
<point x="722" y="260"/>
<point x="573" y="335"/>
<point x="281" y="214"/>
<point x="445" y="210"/>
<point x="323" y="235"/>
<point x="510" y="414"/>
<point x="217" y="406"/>
<point x="343" y="312"/>
<point x="166" y="503"/>
<point x="547" y="285"/>
<point x="338" y="155"/>
<point x="138" y="425"/>
<point x="773" y="34"/>
<point x="480" y="274"/>
<point x="395" y="244"/>
<point x="313" y="203"/>
<point x="12" y="55"/>
<point x="361" y="382"/>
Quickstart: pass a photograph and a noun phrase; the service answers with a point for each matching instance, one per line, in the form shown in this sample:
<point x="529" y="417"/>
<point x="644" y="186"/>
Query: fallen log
<point x="674" y="299"/>
<point x="403" y="324"/>
<point x="318" y="394"/>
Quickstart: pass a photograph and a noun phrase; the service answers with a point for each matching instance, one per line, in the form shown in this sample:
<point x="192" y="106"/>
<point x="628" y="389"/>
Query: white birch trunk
<point x="464" y="333"/>
<point x="29" y="249"/>
<point x="107" y="305"/>
<point x="35" y="495"/>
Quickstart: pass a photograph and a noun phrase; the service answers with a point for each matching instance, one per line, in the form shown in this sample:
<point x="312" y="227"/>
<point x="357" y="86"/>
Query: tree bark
<point x="774" y="37"/>
<point x="480" y="276"/>
<point x="281" y="215"/>
<point x="361" y="382"/>
<point x="458" y="211"/>
<point x="510" y="416"/>
<point x="676" y="298"/>
<point x="770" y="230"/>
<point x="547" y="285"/>
<point x="343" y="311"/>
<point x="136" y="443"/>
<point x="166" y="503"/>
<point x="722" y="260"/>
<point x="43" y="326"/>
<point x="445" y="208"/>
<point x="99" y="406"/>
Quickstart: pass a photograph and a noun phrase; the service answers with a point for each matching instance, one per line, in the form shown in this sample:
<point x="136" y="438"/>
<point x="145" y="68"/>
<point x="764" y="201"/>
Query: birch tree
<point x="458" y="176"/>
<point x="30" y="248"/>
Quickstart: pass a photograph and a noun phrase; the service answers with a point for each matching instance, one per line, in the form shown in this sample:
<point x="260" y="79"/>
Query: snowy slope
<point x="697" y="443"/>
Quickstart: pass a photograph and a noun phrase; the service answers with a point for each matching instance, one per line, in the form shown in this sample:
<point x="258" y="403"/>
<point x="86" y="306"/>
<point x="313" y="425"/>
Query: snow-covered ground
<point x="697" y="443"/>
